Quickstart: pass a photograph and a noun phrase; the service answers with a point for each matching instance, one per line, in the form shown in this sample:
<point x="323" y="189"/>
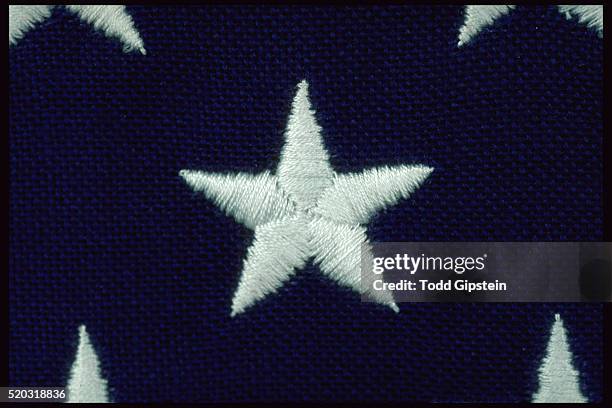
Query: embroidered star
<point x="559" y="380"/>
<point x="114" y="21"/>
<point x="305" y="210"/>
<point x="86" y="383"/>
<point x="481" y="16"/>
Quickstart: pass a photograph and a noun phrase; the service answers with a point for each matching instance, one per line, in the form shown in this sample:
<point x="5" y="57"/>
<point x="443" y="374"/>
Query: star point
<point x="559" y="379"/>
<point x="86" y="383"/>
<point x="478" y="17"/>
<point x="112" y="20"/>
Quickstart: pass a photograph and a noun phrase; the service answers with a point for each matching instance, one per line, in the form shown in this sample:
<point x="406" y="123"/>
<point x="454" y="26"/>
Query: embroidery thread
<point x="114" y="21"/>
<point x="306" y="210"/>
<point x="481" y="16"/>
<point x="559" y="380"/>
<point x="86" y="383"/>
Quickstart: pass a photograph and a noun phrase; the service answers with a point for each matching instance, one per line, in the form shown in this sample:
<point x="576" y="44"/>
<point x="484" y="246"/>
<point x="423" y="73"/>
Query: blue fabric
<point x="103" y="231"/>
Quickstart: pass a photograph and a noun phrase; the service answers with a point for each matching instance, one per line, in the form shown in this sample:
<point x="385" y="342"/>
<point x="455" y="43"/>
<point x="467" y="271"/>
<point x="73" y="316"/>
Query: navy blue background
<point x="103" y="232"/>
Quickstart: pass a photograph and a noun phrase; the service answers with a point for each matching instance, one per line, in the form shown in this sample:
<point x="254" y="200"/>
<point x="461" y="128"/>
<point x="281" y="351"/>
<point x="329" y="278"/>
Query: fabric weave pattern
<point x="104" y="232"/>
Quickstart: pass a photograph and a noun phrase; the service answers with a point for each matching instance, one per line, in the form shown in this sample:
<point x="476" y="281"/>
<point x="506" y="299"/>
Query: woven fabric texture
<point x="104" y="232"/>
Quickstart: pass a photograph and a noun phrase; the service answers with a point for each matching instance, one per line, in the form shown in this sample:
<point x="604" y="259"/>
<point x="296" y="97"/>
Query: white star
<point x="479" y="17"/>
<point x="306" y="210"/>
<point x="559" y="380"/>
<point x="114" y="21"/>
<point x="86" y="383"/>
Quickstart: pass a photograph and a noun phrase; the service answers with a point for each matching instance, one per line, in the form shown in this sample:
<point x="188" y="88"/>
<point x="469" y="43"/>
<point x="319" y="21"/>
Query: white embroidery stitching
<point x="114" y="21"/>
<point x="23" y="18"/>
<point x="559" y="380"/>
<point x="481" y="16"/>
<point x="478" y="17"/>
<point x="590" y="15"/>
<point x="86" y="383"/>
<point x="305" y="210"/>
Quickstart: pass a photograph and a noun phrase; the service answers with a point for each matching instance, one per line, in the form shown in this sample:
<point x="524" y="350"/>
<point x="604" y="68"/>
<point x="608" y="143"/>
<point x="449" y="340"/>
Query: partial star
<point x="559" y="380"/>
<point x="479" y="17"/>
<point x="85" y="383"/>
<point x="113" y="21"/>
<point x="305" y="210"/>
